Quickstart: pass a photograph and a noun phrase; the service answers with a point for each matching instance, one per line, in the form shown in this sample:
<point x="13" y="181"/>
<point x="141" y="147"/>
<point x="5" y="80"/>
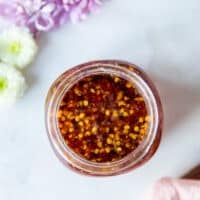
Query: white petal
<point x="15" y="87"/>
<point x="26" y="43"/>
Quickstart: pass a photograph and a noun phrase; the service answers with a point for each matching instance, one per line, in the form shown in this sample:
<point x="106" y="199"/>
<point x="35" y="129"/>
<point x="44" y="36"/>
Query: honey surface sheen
<point x="103" y="118"/>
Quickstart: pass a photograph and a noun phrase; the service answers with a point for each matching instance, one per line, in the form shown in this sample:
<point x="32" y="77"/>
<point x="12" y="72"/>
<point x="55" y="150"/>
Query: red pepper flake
<point x="103" y="118"/>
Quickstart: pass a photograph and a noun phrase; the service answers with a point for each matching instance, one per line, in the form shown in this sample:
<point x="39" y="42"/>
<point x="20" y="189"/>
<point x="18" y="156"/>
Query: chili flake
<point x="103" y="118"/>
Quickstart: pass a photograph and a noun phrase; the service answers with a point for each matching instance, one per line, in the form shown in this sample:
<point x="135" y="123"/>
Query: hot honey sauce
<point x="103" y="118"/>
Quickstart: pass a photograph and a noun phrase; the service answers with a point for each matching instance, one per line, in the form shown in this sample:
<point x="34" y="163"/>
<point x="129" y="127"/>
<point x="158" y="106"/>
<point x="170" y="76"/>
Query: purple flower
<point x="43" y="15"/>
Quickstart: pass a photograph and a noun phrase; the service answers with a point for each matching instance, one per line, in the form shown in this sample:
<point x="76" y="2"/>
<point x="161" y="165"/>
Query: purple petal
<point x="44" y="15"/>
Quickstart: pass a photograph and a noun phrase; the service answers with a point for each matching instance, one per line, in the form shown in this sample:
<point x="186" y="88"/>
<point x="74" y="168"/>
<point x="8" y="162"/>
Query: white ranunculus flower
<point x="12" y="84"/>
<point x="17" y="47"/>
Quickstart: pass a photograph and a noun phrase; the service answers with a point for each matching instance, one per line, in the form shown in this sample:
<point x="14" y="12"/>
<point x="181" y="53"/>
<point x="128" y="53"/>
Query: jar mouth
<point x="120" y="69"/>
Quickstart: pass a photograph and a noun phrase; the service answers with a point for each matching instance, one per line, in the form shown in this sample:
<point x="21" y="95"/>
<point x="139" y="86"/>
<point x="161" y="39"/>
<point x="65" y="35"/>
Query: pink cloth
<point x="174" y="189"/>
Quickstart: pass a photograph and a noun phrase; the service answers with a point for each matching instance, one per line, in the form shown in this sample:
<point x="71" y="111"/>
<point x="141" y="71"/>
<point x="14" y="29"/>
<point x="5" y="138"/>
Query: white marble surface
<point x="163" y="37"/>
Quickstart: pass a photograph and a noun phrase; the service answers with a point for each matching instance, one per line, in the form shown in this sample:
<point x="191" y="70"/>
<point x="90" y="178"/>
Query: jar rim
<point x="123" y="70"/>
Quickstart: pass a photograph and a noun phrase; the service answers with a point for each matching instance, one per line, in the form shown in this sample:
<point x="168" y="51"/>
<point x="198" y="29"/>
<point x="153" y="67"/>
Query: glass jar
<point x="127" y="71"/>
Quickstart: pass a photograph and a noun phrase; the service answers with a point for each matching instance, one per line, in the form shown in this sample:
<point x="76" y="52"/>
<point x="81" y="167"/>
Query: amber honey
<point x="103" y="118"/>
